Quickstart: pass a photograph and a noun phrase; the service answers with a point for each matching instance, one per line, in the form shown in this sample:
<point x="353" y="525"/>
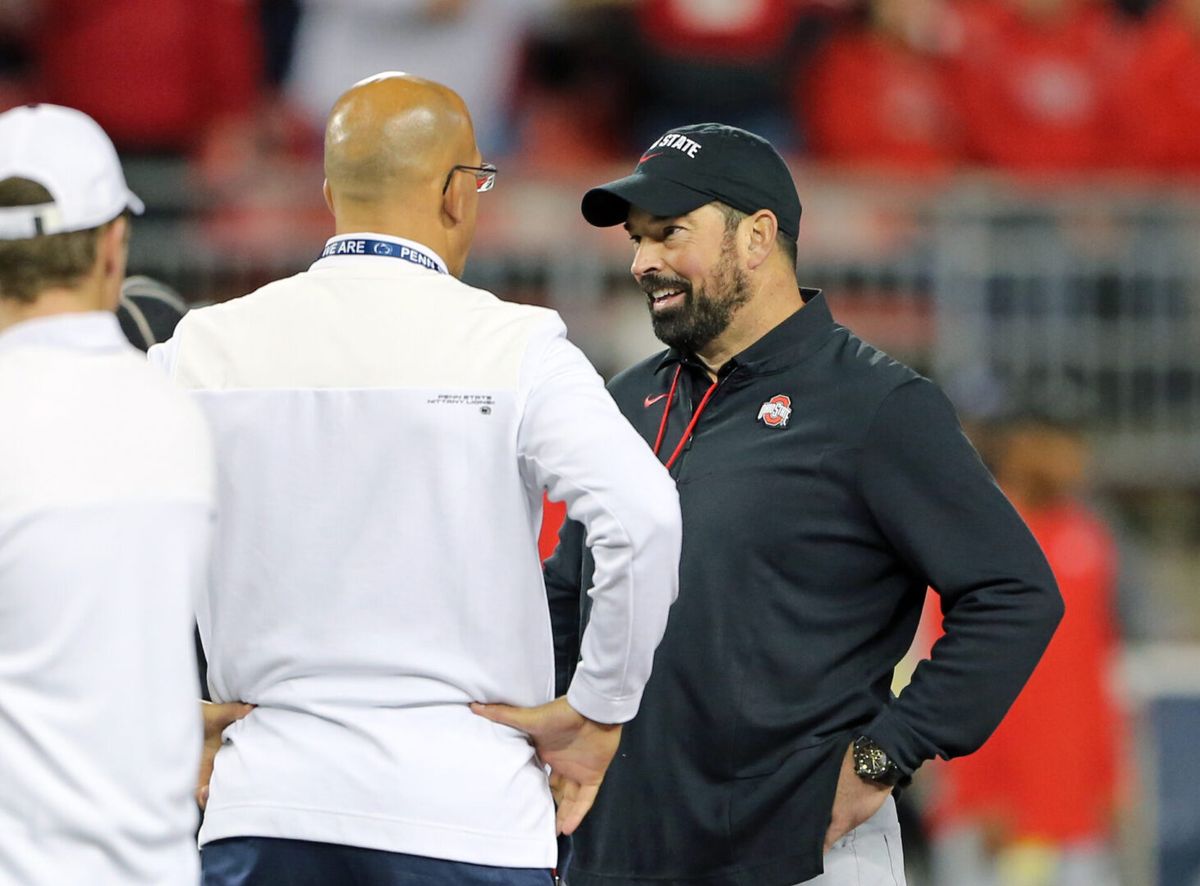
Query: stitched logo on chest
<point x="650" y="401"/>
<point x="776" y="411"/>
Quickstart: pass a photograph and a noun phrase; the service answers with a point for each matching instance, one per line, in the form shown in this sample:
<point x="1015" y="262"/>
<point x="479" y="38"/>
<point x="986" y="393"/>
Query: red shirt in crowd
<point x="871" y="100"/>
<point x="1051" y="770"/>
<point x="154" y="73"/>
<point x="1036" y="96"/>
<point x="1158" y="117"/>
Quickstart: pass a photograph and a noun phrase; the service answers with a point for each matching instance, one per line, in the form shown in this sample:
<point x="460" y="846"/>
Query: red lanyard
<point x="687" y="434"/>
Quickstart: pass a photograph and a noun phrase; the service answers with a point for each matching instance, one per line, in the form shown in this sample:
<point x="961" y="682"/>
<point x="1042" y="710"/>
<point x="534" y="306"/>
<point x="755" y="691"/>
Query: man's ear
<point x="454" y="201"/>
<point x="325" y="189"/>
<point x="112" y="250"/>
<point x="113" y="247"/>
<point x="760" y="229"/>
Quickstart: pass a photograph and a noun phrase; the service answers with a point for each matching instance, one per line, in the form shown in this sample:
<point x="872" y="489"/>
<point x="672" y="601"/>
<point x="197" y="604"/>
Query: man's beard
<point x="702" y="316"/>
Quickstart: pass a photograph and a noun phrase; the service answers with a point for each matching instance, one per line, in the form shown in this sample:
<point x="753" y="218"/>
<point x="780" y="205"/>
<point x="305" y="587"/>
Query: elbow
<point x="661" y="520"/>
<point x="655" y="527"/>
<point x="1046" y="606"/>
<point x="1055" y="606"/>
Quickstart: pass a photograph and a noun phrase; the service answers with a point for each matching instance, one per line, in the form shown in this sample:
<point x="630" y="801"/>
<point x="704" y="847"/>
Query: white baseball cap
<point x="66" y="152"/>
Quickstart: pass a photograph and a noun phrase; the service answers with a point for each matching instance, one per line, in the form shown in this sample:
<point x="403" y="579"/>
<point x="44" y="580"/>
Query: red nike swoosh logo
<point x="650" y="401"/>
<point x="646" y="157"/>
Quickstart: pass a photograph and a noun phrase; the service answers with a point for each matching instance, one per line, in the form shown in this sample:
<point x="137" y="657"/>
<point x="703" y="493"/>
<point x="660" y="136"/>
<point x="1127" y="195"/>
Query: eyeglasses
<point x="485" y="176"/>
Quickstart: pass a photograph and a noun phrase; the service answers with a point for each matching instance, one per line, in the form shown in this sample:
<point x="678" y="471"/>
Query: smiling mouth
<point x="663" y="298"/>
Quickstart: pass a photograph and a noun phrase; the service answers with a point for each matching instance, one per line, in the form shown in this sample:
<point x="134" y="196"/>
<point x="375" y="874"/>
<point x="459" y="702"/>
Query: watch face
<point x="872" y="762"/>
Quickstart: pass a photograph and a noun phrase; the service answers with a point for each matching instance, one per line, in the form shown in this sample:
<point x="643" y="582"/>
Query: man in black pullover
<point x="824" y="486"/>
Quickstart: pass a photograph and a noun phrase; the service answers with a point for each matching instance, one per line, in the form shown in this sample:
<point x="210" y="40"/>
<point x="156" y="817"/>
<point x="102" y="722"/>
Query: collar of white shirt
<point x="83" y="331"/>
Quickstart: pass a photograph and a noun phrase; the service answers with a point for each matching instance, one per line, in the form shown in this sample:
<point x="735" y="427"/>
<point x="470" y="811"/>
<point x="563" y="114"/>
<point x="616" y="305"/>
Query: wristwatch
<point x="872" y="763"/>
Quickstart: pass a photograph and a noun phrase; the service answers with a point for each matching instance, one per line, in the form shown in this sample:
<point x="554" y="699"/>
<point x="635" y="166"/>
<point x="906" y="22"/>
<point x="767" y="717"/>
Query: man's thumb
<point x="231" y="711"/>
<point x="507" y="715"/>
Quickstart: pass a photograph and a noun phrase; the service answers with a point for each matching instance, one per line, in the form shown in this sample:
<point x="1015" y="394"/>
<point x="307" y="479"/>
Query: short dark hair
<point x="785" y="244"/>
<point x="30" y="266"/>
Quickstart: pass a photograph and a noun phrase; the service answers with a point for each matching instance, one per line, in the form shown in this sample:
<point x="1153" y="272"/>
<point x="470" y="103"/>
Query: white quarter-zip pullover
<point x="384" y="435"/>
<point x="106" y="493"/>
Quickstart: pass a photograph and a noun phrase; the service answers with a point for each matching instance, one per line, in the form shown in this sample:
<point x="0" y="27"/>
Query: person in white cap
<point x="106" y="502"/>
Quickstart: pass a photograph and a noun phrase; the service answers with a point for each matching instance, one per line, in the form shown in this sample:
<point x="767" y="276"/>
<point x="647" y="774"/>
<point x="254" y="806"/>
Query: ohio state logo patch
<point x="776" y="411"/>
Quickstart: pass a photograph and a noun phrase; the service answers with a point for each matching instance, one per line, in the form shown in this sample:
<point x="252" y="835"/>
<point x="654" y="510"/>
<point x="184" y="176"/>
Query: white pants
<point x="870" y="855"/>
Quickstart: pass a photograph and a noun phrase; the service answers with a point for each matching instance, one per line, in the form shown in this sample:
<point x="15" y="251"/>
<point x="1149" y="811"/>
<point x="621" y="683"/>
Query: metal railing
<point x="1083" y="298"/>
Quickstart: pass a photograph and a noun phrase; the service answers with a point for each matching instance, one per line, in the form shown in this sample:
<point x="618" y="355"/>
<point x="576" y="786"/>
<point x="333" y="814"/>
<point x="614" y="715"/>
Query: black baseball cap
<point x="693" y="165"/>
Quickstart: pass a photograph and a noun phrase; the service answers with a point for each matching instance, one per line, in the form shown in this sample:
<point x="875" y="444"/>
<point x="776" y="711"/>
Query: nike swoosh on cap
<point x="646" y="157"/>
<point x="650" y="401"/>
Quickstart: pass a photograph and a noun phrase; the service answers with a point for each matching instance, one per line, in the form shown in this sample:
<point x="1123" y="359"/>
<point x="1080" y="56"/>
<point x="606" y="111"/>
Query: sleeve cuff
<point x="598" y="707"/>
<point x="898" y="741"/>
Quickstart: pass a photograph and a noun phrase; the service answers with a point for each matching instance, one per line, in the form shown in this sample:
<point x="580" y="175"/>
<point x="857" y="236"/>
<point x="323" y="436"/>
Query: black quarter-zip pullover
<point x="824" y="488"/>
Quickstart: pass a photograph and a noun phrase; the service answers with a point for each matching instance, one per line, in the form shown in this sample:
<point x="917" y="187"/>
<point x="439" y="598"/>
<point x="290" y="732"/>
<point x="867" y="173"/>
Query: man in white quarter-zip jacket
<point x="384" y="436"/>
<point x="106" y="502"/>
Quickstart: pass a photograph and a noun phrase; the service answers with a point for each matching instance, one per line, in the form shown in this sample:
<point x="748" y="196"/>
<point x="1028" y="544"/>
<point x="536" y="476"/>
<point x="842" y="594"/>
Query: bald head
<point x="394" y="136"/>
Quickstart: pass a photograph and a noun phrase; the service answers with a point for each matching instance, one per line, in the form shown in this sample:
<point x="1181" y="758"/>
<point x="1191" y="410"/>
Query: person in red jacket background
<point x="158" y="75"/>
<point x="878" y="94"/>
<point x="1034" y="83"/>
<point x="1159" y="93"/>
<point x="1036" y="804"/>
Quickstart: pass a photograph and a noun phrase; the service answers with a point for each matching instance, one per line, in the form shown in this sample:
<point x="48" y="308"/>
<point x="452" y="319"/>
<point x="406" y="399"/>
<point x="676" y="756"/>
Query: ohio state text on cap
<point x="693" y="165"/>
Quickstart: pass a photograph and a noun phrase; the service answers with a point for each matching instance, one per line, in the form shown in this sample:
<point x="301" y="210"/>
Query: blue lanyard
<point x="384" y="249"/>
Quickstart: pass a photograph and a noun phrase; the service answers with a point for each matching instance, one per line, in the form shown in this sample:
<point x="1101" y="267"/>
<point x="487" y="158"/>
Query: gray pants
<point x="870" y="855"/>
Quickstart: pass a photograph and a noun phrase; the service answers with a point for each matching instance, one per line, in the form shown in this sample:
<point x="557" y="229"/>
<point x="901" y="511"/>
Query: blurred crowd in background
<point x="919" y="85"/>
<point x="886" y="108"/>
